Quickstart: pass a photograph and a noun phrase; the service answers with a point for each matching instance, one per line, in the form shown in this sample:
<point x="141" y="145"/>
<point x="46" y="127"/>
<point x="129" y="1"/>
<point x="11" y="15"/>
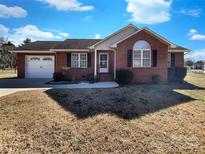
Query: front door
<point x="103" y="62"/>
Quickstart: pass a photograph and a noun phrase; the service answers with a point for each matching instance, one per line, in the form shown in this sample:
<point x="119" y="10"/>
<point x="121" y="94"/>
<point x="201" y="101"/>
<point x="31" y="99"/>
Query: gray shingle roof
<point x="67" y="44"/>
<point x="179" y="48"/>
<point x="39" y="45"/>
<point x="76" y="44"/>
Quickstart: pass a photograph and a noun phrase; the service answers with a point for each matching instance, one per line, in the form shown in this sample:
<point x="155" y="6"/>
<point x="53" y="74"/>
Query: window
<point x="47" y="59"/>
<point x="169" y="60"/>
<point x="35" y="58"/>
<point x="141" y="54"/>
<point x="79" y="60"/>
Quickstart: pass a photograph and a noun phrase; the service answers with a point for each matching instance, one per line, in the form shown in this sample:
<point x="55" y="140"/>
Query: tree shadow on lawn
<point x="127" y="102"/>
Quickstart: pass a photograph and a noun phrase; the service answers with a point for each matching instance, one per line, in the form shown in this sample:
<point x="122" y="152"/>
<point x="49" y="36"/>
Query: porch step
<point x="106" y="77"/>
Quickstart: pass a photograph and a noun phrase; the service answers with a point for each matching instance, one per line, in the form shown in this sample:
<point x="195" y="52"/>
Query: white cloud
<point x="196" y="55"/>
<point x="192" y="31"/>
<point x="17" y="35"/>
<point x="194" y="35"/>
<point x="191" y="12"/>
<point x="33" y="31"/>
<point x="63" y="34"/>
<point x="97" y="36"/>
<point x="68" y="5"/>
<point x="16" y="11"/>
<point x="149" y="11"/>
<point x="3" y="30"/>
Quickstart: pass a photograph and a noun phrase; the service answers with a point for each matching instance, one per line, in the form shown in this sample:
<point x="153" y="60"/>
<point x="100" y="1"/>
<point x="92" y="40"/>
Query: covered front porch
<point x="104" y="65"/>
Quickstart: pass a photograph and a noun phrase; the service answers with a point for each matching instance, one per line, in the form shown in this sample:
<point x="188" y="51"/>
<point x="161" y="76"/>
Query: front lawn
<point x="129" y="119"/>
<point x="8" y="73"/>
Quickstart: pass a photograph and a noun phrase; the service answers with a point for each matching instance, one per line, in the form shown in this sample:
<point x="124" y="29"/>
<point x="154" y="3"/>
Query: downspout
<point x="114" y="50"/>
<point x="114" y="64"/>
<point x="95" y="64"/>
<point x="55" y="67"/>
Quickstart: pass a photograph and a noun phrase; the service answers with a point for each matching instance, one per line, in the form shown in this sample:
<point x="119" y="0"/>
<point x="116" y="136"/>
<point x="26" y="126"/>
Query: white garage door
<point x="39" y="66"/>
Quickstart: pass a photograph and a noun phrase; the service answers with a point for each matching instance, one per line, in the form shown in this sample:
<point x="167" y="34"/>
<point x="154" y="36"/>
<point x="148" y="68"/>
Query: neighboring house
<point x="199" y="65"/>
<point x="142" y="51"/>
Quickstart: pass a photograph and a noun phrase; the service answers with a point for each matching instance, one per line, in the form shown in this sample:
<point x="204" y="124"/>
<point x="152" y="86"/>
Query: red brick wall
<point x="61" y="62"/>
<point x="20" y="65"/>
<point x="144" y="74"/>
<point x="179" y="59"/>
<point x="21" y="62"/>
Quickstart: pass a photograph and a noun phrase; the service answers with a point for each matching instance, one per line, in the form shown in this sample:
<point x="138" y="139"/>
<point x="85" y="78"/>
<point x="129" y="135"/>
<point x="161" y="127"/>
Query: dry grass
<point x="7" y="74"/>
<point x="131" y="119"/>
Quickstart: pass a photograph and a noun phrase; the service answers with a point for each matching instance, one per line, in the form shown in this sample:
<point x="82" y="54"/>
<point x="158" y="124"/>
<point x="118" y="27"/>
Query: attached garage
<point x="39" y="66"/>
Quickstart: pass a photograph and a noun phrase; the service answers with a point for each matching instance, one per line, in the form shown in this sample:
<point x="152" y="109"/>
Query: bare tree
<point x="7" y="59"/>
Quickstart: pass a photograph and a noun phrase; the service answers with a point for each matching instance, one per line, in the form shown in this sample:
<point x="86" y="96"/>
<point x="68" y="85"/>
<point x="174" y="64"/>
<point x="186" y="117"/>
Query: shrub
<point x="90" y="78"/>
<point x="177" y="74"/>
<point x="180" y="73"/>
<point x="124" y="76"/>
<point x="156" y="78"/>
<point x="58" y="76"/>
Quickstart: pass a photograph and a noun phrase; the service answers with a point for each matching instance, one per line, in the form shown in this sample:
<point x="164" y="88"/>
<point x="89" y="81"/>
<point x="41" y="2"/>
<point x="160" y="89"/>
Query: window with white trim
<point x="141" y="54"/>
<point x="169" y="60"/>
<point x="79" y="60"/>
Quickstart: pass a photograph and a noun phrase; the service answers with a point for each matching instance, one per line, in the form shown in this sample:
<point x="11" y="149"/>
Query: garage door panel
<point x="39" y="66"/>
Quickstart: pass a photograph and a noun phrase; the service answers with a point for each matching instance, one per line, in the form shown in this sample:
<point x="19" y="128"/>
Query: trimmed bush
<point x="124" y="76"/>
<point x="156" y="78"/>
<point x="180" y="73"/>
<point x="177" y="74"/>
<point x="58" y="76"/>
<point x="90" y="78"/>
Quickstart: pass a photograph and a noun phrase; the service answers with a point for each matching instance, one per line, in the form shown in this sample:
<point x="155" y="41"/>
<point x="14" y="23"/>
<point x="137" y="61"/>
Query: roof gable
<point x="171" y="45"/>
<point x="115" y="37"/>
<point x="149" y="32"/>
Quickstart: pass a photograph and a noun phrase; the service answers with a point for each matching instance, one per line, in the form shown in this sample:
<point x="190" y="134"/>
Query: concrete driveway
<point x="24" y="83"/>
<point x="8" y="86"/>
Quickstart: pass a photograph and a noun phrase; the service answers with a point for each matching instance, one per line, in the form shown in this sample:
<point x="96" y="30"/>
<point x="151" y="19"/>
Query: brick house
<point x="142" y="51"/>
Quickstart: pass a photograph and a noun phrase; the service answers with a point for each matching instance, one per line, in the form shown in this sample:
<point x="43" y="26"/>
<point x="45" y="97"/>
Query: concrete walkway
<point x="9" y="86"/>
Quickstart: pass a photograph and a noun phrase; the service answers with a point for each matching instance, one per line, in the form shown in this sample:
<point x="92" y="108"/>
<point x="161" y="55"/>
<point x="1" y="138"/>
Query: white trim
<point x="115" y="58"/>
<point x="142" y="58"/>
<point x="104" y="53"/>
<point x="26" y="58"/>
<point x="169" y="61"/>
<point x="113" y="34"/>
<point x="115" y="45"/>
<point x="80" y="60"/>
<point x="135" y="49"/>
<point x="30" y="51"/>
<point x="71" y="50"/>
<point x="178" y="50"/>
<point x="157" y="35"/>
<point x="51" y="50"/>
<point x="95" y="64"/>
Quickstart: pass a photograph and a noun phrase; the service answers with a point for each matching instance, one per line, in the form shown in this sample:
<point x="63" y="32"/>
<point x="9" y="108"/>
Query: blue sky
<point x="180" y="21"/>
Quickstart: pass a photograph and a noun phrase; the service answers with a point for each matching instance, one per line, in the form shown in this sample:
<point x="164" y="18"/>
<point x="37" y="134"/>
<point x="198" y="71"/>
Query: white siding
<point x="116" y="38"/>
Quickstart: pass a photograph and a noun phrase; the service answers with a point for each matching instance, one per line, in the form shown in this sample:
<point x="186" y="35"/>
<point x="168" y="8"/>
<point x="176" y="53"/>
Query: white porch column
<point x="95" y="64"/>
<point x="114" y="64"/>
